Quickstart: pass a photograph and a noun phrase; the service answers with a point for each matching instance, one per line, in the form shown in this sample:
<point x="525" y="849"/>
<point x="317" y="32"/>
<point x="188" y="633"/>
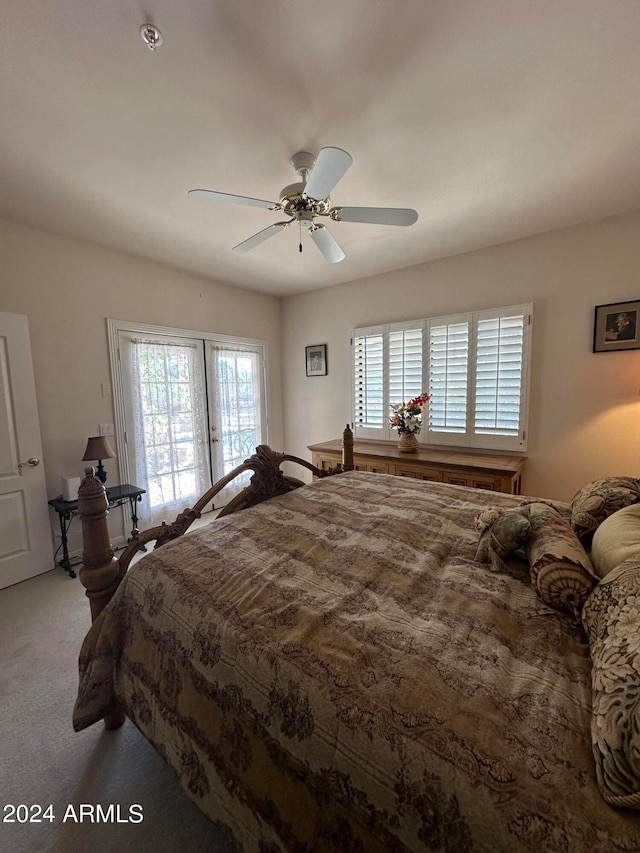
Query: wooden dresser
<point x="498" y="472"/>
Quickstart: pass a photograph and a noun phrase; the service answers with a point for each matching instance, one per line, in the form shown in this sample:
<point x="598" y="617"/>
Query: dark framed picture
<point x="616" y="327"/>
<point x="316" y="356"/>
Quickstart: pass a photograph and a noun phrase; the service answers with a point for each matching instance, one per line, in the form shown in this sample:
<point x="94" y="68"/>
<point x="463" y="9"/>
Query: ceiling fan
<point x="308" y="198"/>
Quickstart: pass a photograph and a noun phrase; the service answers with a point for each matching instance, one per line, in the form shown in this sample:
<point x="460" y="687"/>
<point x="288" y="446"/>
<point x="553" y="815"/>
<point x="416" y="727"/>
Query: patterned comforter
<point x="332" y="670"/>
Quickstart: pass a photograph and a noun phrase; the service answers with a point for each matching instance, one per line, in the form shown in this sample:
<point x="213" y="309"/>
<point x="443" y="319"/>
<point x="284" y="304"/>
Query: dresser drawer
<point x="418" y="472"/>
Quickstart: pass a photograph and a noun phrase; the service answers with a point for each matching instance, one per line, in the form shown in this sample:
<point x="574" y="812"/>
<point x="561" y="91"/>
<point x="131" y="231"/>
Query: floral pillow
<point x="560" y="568"/>
<point x="611" y="618"/>
<point x="598" y="500"/>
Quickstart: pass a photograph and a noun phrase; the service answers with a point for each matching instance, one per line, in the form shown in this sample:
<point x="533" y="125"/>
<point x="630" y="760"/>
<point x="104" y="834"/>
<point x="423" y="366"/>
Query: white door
<point x="167" y="447"/>
<point x="237" y="412"/>
<point x="25" y="534"/>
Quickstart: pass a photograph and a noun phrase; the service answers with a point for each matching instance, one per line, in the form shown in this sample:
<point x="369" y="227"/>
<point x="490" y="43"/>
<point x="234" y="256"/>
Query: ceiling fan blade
<point x="261" y="236"/>
<point x="375" y="215"/>
<point x="235" y="199"/>
<point x="327" y="244"/>
<point x="330" y="166"/>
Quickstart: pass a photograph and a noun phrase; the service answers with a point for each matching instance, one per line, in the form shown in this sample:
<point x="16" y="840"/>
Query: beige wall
<point x="585" y="409"/>
<point x="68" y="288"/>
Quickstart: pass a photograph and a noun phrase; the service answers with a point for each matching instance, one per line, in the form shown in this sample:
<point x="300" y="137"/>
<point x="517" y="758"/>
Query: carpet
<point x="43" y="762"/>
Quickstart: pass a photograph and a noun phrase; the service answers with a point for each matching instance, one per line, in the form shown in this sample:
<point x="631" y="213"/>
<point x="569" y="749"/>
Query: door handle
<point x="32" y="462"/>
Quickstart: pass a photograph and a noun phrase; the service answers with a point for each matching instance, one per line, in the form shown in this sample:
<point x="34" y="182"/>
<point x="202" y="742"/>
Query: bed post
<point x="99" y="573"/>
<point x="99" y="570"/>
<point x="347" y="449"/>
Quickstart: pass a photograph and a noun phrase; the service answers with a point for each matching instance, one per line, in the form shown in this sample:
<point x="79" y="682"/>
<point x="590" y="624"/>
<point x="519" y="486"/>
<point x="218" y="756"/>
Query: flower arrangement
<point x="407" y="417"/>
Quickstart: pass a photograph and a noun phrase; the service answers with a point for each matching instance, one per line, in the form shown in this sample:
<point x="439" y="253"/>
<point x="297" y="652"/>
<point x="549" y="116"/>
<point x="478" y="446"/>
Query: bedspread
<point x="332" y="670"/>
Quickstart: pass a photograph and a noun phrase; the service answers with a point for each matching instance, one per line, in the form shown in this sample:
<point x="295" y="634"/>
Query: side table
<point x="116" y="495"/>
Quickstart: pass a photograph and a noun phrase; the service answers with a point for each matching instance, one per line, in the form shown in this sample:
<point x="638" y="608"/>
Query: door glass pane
<point x="237" y="423"/>
<point x="169" y="420"/>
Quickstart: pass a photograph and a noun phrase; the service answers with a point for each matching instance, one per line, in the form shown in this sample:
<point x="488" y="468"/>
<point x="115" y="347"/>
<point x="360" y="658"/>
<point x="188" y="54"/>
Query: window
<point x="474" y="366"/>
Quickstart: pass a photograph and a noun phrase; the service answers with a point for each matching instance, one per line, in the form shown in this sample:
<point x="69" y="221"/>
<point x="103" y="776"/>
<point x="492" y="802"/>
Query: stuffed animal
<point x="502" y="531"/>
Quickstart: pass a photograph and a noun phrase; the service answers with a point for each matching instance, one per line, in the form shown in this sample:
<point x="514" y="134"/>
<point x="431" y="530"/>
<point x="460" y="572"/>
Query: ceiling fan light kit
<point x="308" y="198"/>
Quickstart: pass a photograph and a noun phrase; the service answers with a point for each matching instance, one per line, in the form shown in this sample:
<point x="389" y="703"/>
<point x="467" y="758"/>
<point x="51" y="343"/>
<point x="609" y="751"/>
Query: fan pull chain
<point x="300" y="245"/>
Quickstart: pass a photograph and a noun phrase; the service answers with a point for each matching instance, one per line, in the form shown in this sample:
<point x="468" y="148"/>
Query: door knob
<point x="32" y="462"/>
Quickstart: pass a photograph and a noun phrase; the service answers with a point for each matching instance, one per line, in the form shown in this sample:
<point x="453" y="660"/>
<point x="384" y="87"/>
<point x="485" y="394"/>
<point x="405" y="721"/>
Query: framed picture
<point x="316" y="356"/>
<point x="616" y="327"/>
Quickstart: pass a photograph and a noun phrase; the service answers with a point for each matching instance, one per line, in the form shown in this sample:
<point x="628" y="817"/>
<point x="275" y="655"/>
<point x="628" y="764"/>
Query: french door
<point x="189" y="409"/>
<point x="236" y="408"/>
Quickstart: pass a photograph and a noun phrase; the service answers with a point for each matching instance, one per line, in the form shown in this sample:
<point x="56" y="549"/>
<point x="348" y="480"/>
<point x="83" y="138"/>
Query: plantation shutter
<point x="368" y="379"/>
<point x="474" y="366"/>
<point x="405" y="364"/>
<point x="448" y="376"/>
<point x="500" y="374"/>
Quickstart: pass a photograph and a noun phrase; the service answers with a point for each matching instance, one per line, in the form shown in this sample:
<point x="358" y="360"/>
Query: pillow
<point x="560" y="568"/>
<point x="617" y="539"/>
<point x="611" y="617"/>
<point x="598" y="500"/>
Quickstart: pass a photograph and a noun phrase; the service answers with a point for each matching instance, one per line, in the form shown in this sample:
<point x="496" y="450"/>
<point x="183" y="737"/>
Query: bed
<point x="333" y="669"/>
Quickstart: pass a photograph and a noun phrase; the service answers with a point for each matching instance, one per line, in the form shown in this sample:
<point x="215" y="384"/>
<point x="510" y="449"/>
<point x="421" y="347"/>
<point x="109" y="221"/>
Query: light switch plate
<point x="106" y="429"/>
<point x="106" y="389"/>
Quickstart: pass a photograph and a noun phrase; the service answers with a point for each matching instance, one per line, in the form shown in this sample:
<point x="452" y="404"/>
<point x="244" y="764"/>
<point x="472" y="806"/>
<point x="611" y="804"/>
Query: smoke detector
<point x="151" y="36"/>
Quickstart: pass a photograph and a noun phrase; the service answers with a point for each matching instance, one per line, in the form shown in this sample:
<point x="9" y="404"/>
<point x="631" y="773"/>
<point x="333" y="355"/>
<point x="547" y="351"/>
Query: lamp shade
<point x="98" y="448"/>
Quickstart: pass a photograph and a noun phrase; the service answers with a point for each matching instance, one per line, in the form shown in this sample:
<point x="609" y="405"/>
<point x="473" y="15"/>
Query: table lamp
<point x="98" y="448"/>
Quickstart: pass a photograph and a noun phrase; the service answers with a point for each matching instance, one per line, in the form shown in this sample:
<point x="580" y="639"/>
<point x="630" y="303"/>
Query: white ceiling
<point x="494" y="119"/>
